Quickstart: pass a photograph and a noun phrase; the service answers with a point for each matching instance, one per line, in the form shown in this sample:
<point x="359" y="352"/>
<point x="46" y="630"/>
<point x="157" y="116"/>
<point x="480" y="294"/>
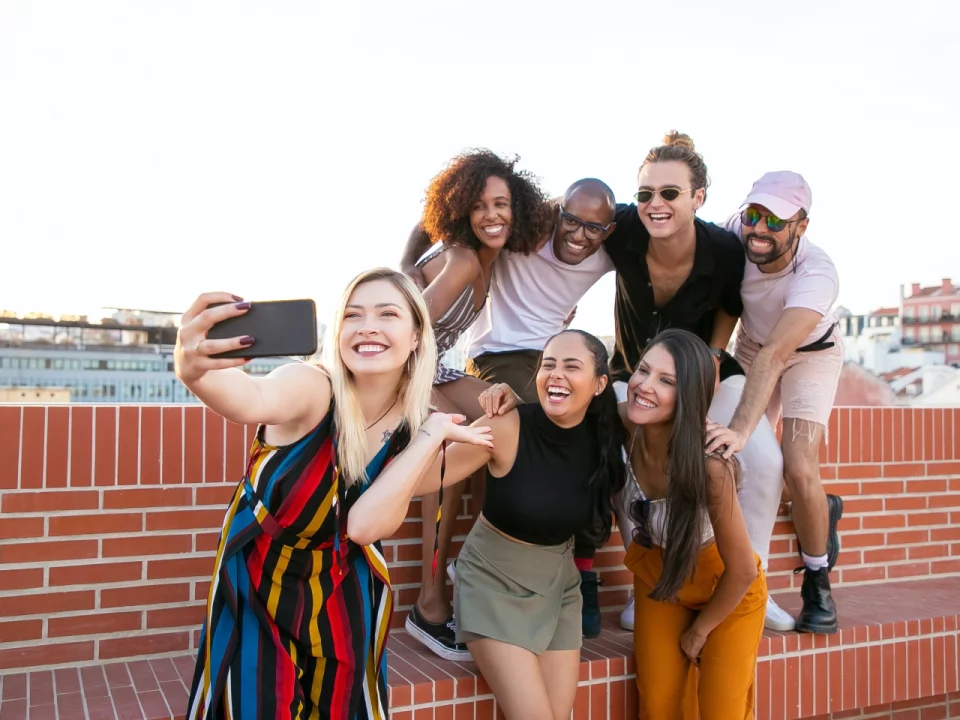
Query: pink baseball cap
<point x="784" y="193"/>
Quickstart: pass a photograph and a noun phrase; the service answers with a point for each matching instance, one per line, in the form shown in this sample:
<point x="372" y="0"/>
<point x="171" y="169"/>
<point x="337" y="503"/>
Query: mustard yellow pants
<point x="670" y="686"/>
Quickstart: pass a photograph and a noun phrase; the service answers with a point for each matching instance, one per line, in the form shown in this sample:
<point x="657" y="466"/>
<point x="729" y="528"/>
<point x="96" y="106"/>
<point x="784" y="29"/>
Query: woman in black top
<point x="553" y="469"/>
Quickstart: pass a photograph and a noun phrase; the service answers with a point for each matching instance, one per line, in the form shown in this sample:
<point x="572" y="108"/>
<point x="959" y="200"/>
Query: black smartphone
<point x="278" y="327"/>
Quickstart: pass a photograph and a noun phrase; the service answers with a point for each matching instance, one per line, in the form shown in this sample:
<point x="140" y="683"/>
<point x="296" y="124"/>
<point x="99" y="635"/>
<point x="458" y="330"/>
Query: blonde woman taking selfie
<point x="298" y="608"/>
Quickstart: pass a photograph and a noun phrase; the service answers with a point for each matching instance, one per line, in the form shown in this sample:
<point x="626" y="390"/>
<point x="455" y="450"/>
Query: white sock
<point x="815" y="562"/>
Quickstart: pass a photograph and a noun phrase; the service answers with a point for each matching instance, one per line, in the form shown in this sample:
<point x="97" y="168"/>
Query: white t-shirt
<point x="531" y="297"/>
<point x="813" y="286"/>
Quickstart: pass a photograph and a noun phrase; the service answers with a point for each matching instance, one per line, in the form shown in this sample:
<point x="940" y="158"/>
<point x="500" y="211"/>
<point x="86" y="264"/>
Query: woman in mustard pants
<point x="699" y="586"/>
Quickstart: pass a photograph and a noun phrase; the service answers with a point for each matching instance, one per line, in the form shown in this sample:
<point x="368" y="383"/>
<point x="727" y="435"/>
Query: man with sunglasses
<point x="676" y="271"/>
<point x="790" y="347"/>
<point x="532" y="298"/>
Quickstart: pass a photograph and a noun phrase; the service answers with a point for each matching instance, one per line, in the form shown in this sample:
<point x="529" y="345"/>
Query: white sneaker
<point x="777" y="618"/>
<point x="626" y="617"/>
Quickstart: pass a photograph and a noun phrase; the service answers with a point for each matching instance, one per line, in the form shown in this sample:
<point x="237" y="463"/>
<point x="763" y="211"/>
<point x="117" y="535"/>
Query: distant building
<point x="874" y="341"/>
<point x="936" y="385"/>
<point x="930" y="319"/>
<point x="126" y="358"/>
<point x="27" y="396"/>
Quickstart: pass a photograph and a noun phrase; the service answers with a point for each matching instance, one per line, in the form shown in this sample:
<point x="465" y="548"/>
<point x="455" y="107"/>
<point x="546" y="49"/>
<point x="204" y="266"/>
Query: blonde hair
<point x="416" y="385"/>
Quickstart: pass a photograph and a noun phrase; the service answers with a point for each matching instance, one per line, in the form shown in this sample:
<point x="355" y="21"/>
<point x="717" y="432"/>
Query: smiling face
<point x="378" y="331"/>
<point x="652" y="390"/>
<point x="584" y="221"/>
<point x="492" y="215"/>
<point x="664" y="218"/>
<point x="763" y="246"/>
<point x="567" y="379"/>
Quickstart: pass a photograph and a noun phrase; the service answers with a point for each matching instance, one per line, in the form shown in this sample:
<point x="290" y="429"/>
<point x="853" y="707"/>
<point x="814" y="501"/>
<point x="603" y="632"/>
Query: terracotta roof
<point x="894" y="374"/>
<point x="886" y="311"/>
<point x="934" y="291"/>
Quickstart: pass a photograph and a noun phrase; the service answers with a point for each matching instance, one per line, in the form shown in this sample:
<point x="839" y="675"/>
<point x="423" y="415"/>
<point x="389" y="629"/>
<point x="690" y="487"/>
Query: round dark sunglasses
<point x="751" y="216"/>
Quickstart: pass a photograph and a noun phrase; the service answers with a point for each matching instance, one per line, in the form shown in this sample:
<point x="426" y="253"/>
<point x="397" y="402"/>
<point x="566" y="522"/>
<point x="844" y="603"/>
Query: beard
<point x="776" y="252"/>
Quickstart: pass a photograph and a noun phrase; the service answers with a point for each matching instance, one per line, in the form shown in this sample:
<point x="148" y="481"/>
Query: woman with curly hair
<point x="475" y="207"/>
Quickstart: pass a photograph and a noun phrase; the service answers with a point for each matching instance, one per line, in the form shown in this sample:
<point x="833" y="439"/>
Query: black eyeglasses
<point x="669" y="194"/>
<point x="751" y="216"/>
<point x="571" y="223"/>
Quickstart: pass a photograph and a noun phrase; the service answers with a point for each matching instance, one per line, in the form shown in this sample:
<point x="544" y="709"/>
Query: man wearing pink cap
<point x="790" y="348"/>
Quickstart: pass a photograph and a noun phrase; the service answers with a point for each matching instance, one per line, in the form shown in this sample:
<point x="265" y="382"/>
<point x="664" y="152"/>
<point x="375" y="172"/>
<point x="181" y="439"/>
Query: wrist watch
<point x="716" y="352"/>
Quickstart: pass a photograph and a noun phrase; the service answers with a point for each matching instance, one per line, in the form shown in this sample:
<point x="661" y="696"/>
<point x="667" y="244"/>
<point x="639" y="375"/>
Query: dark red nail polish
<point x="237" y="298"/>
<point x="243" y="306"/>
<point x="246" y="340"/>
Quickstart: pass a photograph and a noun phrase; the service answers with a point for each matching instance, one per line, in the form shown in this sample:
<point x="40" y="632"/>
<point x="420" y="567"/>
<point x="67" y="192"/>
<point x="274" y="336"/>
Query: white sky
<point x="153" y="150"/>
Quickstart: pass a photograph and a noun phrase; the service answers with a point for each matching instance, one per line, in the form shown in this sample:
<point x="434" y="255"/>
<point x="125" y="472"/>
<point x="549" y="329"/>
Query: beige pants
<point x="807" y="385"/>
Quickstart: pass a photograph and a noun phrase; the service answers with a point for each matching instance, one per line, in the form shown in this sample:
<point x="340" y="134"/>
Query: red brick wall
<point x="109" y="519"/>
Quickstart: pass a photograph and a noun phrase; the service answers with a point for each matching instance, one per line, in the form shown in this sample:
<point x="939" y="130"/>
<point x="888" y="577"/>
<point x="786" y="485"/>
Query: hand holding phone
<point x="222" y="331"/>
<point x="278" y="328"/>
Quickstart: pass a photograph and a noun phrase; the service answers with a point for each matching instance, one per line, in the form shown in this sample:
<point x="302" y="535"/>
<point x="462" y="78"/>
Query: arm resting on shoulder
<point x="788" y="334"/>
<point x="733" y="544"/>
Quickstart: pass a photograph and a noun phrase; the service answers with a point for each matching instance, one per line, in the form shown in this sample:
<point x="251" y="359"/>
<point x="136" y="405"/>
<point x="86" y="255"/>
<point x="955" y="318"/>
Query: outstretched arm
<point x="416" y="471"/>
<point x="291" y="396"/>
<point x="790" y="331"/>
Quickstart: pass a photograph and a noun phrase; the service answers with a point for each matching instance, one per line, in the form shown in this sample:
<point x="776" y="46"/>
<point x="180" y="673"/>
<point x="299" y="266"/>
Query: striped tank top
<point x="454" y="322"/>
<point x="297" y="614"/>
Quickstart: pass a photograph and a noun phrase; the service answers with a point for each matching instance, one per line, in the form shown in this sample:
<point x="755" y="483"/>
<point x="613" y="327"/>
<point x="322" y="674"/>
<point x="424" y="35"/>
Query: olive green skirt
<point x="525" y="595"/>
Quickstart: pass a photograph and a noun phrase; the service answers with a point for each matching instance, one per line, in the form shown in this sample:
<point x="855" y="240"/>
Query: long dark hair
<point x="609" y="435"/>
<point x="686" y="468"/>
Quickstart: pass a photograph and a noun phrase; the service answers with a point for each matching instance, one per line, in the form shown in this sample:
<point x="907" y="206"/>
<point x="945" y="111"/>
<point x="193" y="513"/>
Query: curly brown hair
<point x="452" y="194"/>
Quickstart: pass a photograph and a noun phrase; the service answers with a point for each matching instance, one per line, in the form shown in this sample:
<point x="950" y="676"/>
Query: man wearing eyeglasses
<point x="532" y="298"/>
<point x="790" y="347"/>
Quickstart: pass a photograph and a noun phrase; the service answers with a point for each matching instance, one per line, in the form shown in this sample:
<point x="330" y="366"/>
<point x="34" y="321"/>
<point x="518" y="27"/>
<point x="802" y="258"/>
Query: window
<point x="910" y="334"/>
<point x="923" y="312"/>
<point x="908" y="312"/>
<point x="924" y="334"/>
<point x="955" y="332"/>
<point x="935" y="312"/>
<point x="936" y="334"/>
<point x="955" y="310"/>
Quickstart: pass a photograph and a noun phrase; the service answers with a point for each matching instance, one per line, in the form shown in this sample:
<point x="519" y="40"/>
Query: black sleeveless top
<point x="545" y="498"/>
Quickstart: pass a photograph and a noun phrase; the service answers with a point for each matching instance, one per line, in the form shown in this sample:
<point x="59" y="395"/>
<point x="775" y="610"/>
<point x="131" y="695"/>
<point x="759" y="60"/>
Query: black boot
<point x="834" y="512"/>
<point x="819" y="614"/>
<point x="835" y="506"/>
<point x="589" y="581"/>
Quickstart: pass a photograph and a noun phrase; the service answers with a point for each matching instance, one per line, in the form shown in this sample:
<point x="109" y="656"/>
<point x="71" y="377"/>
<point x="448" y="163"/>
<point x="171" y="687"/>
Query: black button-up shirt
<point x="713" y="282"/>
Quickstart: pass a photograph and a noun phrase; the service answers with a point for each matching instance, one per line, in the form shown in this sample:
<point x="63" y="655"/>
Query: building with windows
<point x="874" y="341"/>
<point x="117" y="360"/>
<point x="930" y="317"/>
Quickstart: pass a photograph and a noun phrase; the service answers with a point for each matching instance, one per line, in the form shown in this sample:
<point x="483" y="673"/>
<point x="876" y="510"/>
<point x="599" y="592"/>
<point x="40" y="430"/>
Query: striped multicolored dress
<point x="297" y="614"/>
<point x="455" y="321"/>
